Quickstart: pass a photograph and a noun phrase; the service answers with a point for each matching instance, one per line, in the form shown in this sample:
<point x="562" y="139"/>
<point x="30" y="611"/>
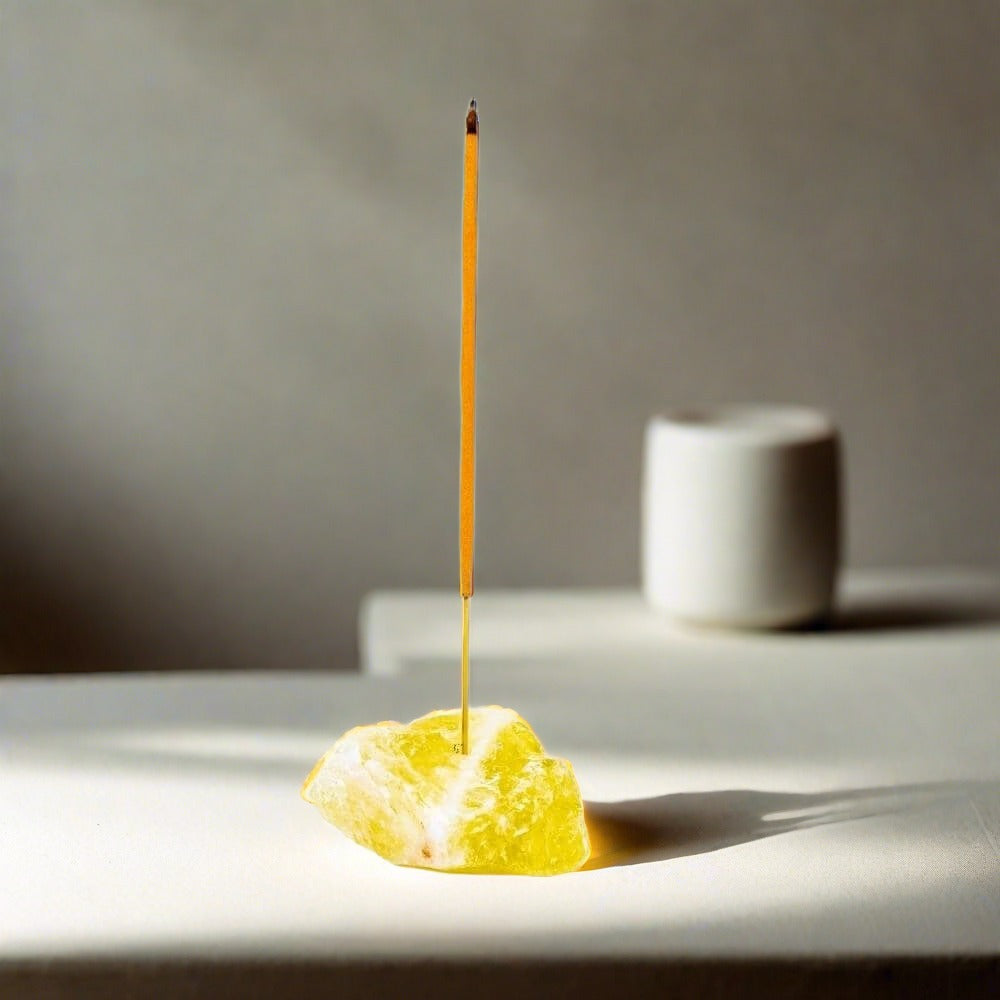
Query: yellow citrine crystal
<point x="409" y="794"/>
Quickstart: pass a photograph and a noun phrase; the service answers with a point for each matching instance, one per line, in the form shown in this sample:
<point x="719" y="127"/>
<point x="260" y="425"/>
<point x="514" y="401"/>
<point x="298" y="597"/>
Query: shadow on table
<point x="918" y="607"/>
<point x="675" y="826"/>
<point x="900" y="615"/>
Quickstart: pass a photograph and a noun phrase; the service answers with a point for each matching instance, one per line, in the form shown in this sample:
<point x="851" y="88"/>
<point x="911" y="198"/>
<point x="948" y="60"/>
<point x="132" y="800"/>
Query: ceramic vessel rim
<point x="749" y="423"/>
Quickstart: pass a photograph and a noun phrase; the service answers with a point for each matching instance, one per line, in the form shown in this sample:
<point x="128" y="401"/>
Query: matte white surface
<point x="800" y="795"/>
<point x="893" y="614"/>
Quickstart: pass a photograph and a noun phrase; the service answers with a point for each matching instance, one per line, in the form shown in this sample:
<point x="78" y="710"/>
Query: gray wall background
<point x="229" y="293"/>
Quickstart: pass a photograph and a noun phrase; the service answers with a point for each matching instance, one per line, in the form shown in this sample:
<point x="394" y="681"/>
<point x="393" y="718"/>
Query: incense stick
<point x="467" y="454"/>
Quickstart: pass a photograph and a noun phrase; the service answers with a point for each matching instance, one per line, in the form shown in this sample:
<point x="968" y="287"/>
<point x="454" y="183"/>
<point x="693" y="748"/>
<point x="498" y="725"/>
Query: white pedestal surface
<point x="760" y="801"/>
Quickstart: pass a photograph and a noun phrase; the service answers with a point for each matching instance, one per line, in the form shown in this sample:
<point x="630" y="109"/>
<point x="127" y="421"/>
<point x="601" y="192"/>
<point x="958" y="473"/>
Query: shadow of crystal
<point x="687" y="823"/>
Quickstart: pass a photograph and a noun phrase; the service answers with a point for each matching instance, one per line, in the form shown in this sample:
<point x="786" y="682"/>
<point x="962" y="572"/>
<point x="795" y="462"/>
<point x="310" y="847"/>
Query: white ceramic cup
<point x="741" y="515"/>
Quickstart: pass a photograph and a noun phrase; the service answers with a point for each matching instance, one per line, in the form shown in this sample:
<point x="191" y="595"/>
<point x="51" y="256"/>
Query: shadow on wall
<point x="53" y="624"/>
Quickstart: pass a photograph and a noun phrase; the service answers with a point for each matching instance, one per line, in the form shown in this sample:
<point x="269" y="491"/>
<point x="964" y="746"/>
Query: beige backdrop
<point x="230" y="294"/>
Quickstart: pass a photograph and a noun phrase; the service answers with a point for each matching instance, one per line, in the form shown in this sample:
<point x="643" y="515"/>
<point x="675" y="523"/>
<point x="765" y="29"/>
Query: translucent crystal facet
<point x="409" y="794"/>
